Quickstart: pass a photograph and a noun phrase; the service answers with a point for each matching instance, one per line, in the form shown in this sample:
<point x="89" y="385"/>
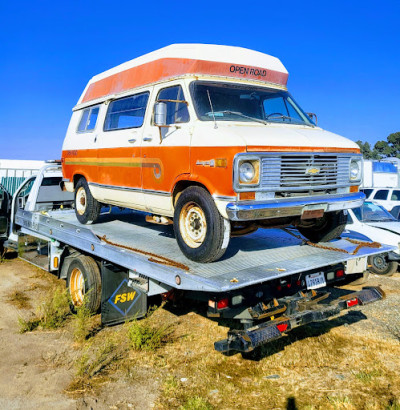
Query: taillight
<point x="352" y="302"/>
<point x="223" y="303"/>
<point x="282" y="327"/>
<point x="340" y="273"/>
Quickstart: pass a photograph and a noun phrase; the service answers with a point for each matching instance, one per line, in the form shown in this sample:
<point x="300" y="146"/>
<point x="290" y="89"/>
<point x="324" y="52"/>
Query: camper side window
<point x="88" y="119"/>
<point x="126" y="112"/>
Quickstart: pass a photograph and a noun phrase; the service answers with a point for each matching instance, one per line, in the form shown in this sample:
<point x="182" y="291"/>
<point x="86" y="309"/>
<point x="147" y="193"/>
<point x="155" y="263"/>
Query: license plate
<point x="313" y="211"/>
<point x="316" y="280"/>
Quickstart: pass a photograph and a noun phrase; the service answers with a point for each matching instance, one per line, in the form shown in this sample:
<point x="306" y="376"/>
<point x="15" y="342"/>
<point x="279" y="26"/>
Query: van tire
<point x="324" y="229"/>
<point x="87" y="209"/>
<point x="380" y="265"/>
<point x="201" y="232"/>
<point x="84" y="283"/>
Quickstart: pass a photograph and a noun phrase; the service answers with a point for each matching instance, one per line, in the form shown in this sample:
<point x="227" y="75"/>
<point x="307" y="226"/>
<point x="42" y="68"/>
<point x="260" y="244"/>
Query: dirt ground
<point x="351" y="362"/>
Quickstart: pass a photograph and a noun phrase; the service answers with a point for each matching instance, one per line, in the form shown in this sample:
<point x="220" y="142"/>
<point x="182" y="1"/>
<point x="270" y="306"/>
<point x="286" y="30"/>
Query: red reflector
<point x="352" y="302"/>
<point x="282" y="327"/>
<point x="298" y="282"/>
<point x="223" y="303"/>
<point x="289" y="285"/>
<point x="339" y="273"/>
<point x="279" y="287"/>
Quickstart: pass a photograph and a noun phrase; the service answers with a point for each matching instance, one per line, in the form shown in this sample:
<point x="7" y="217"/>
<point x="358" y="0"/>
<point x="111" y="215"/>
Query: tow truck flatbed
<point x="254" y="259"/>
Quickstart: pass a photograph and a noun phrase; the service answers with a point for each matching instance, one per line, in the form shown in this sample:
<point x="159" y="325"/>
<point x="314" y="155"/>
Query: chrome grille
<point x="298" y="172"/>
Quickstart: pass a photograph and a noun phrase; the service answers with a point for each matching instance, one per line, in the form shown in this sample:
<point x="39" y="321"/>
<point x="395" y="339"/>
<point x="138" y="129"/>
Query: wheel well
<point x="77" y="177"/>
<point x="182" y="185"/>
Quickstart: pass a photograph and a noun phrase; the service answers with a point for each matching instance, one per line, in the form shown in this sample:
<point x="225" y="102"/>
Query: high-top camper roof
<point x="182" y="59"/>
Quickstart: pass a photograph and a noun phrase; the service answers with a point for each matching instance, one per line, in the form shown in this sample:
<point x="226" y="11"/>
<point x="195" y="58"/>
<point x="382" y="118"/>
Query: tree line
<point x="381" y="149"/>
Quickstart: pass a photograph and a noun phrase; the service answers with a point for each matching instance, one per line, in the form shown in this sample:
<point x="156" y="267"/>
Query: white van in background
<point x="387" y="197"/>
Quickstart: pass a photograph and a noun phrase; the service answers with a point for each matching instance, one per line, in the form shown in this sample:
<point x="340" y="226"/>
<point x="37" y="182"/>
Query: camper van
<point x="208" y="138"/>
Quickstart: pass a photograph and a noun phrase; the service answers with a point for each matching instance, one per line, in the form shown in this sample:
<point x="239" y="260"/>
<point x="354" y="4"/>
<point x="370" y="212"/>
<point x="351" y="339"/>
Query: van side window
<point x="395" y="195"/>
<point x="381" y="194"/>
<point x="176" y="112"/>
<point x="88" y="119"/>
<point x="126" y="112"/>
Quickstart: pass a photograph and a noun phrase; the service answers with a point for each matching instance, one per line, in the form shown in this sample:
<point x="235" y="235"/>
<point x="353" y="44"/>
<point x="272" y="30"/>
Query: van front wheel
<point x="324" y="229"/>
<point x="200" y="230"/>
<point x="87" y="209"/>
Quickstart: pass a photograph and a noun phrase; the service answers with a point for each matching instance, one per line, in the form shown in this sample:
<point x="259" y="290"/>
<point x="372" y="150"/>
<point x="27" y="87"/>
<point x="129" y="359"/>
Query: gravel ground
<point x="383" y="317"/>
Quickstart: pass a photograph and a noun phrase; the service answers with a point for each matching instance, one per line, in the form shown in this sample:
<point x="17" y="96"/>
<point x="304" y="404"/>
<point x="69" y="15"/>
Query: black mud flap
<point x="248" y="340"/>
<point x="121" y="300"/>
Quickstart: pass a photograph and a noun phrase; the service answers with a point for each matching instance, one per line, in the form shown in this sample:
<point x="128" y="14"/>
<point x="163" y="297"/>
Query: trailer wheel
<point x="200" y="230"/>
<point x="324" y="229"/>
<point x="87" y="209"/>
<point x="380" y="265"/>
<point x="84" y="283"/>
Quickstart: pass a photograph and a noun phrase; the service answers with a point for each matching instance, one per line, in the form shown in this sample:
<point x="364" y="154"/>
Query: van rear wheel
<point x="87" y="209"/>
<point x="200" y="230"/>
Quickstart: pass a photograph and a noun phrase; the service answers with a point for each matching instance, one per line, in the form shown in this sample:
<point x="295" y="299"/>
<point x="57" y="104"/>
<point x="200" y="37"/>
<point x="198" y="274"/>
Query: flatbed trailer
<point x="266" y="283"/>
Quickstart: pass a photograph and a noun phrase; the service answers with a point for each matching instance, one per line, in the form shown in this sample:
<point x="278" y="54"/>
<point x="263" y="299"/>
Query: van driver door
<point x="165" y="150"/>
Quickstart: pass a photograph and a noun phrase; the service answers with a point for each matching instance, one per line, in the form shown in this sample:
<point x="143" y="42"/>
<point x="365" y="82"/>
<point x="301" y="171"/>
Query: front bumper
<point x="253" y="210"/>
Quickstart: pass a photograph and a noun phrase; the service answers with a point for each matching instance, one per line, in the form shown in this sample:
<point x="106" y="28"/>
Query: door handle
<point x="132" y="140"/>
<point x="147" y="138"/>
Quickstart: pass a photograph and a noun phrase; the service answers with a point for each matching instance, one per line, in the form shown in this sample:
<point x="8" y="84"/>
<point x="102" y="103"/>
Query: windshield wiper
<point x="287" y="118"/>
<point x="239" y="114"/>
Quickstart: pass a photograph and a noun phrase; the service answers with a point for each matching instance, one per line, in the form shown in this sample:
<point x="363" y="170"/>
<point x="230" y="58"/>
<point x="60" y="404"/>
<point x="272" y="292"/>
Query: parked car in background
<point x="387" y="197"/>
<point x="396" y="212"/>
<point x="373" y="222"/>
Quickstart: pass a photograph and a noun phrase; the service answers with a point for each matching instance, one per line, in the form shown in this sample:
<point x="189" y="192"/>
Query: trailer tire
<point x="380" y="265"/>
<point x="201" y="231"/>
<point x="87" y="209"/>
<point x="84" y="283"/>
<point x="324" y="229"/>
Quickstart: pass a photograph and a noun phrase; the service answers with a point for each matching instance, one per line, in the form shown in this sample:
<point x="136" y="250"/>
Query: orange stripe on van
<point x="171" y="67"/>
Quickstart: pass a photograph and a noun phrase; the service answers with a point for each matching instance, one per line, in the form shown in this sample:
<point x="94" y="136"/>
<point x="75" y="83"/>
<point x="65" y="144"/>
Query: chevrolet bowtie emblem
<point x="313" y="170"/>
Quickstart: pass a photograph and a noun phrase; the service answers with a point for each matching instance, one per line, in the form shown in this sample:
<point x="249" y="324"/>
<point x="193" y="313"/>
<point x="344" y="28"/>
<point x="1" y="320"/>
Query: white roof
<point x="207" y="52"/>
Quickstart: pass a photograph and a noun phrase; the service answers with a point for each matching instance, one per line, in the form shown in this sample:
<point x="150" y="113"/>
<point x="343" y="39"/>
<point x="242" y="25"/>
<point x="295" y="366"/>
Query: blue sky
<point x="343" y="57"/>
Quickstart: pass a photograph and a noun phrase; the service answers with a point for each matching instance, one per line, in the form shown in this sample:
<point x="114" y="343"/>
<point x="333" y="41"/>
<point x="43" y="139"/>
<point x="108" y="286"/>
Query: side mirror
<point x="313" y="117"/>
<point x="160" y="114"/>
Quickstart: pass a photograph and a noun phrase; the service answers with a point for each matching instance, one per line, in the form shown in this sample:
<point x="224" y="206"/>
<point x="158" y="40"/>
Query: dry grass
<point x="52" y="312"/>
<point x="19" y="299"/>
<point x="316" y="367"/>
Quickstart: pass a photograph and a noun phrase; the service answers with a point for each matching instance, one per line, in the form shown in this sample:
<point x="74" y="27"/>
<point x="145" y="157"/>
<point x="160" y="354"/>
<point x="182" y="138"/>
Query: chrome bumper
<point x="253" y="210"/>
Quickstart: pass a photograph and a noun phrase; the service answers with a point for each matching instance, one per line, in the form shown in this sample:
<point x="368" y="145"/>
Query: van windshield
<point x="236" y="102"/>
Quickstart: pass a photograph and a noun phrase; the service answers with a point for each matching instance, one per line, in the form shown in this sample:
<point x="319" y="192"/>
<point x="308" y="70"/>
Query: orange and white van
<point x="208" y="136"/>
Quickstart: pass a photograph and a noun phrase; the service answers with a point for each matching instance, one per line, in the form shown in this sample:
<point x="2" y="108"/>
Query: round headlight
<point x="246" y="172"/>
<point x="355" y="170"/>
